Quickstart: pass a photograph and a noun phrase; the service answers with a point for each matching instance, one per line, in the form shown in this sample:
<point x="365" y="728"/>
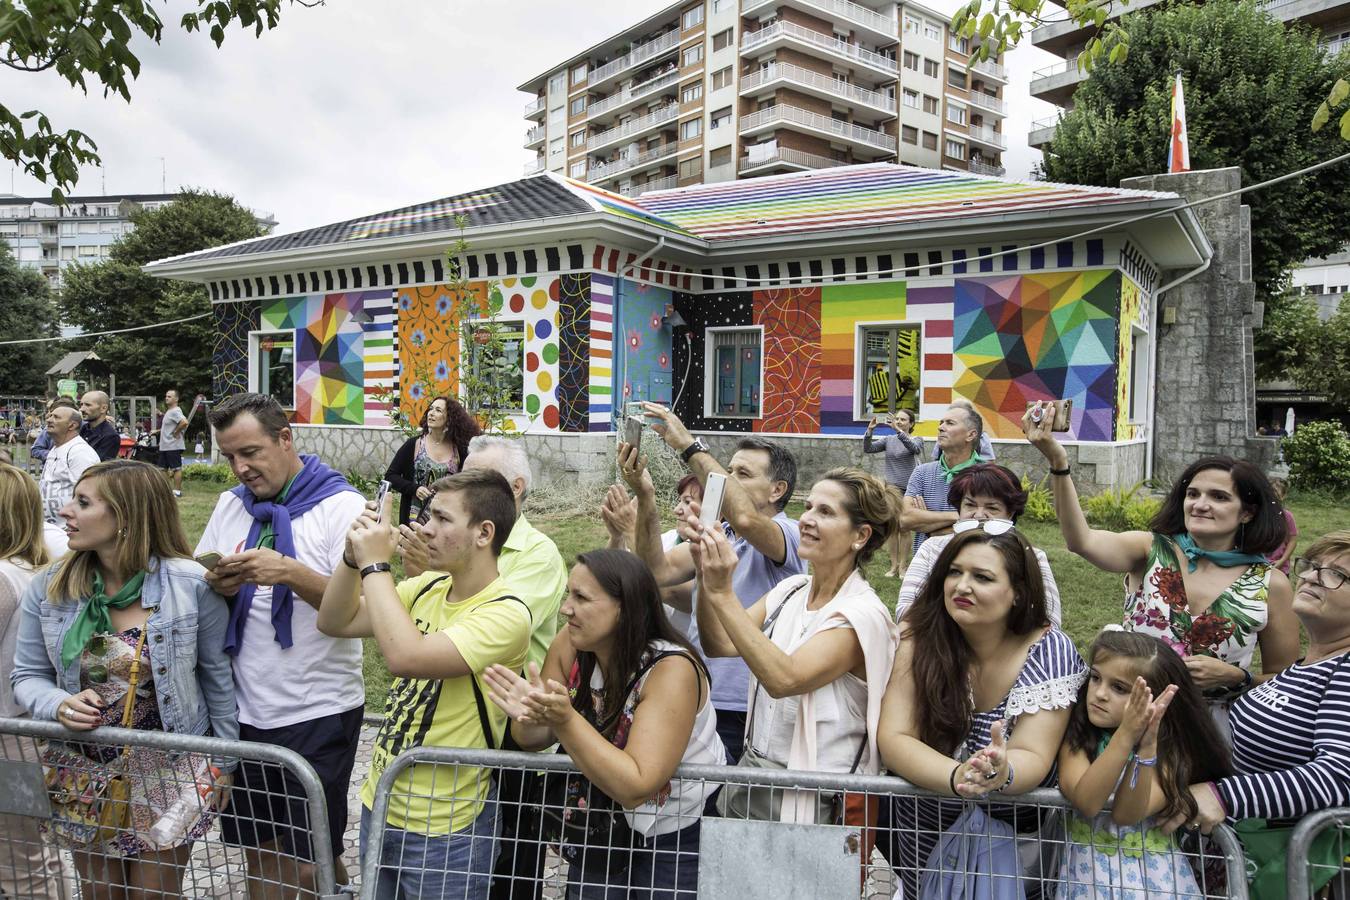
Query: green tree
<point x="1248" y="78"/>
<point x="115" y="293"/>
<point x="1325" y="367"/>
<point x="26" y="311"/>
<point x="1286" y="337"/>
<point x="93" y="41"/>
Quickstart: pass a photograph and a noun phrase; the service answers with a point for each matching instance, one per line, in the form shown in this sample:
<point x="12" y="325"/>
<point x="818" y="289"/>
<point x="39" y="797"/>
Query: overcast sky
<point x="357" y="106"/>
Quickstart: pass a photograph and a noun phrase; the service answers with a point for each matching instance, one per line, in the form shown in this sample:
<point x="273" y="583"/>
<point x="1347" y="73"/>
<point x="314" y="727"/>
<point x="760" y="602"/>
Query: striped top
<point x="1291" y="743"/>
<point x="902" y="455"/>
<point x="926" y="481"/>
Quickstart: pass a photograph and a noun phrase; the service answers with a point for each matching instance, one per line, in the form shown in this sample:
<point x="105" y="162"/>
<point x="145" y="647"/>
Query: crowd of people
<point x="750" y="639"/>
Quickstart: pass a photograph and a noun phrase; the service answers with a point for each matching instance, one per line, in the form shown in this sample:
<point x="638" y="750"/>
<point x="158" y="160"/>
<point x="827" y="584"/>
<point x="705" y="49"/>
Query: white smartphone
<point x="632" y="430"/>
<point x="710" y="511"/>
<point x="379" y="500"/>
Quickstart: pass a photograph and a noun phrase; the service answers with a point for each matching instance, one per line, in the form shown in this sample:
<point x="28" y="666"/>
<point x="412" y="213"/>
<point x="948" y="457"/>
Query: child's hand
<point x="1136" y="716"/>
<point x="1148" y="743"/>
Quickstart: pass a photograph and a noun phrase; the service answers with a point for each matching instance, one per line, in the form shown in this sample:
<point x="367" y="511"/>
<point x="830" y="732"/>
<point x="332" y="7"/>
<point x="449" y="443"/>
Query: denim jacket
<point x="193" y="679"/>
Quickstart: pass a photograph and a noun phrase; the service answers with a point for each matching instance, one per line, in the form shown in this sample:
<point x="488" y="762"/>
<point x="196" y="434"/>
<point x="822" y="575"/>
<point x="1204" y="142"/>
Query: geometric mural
<point x="229" y="352"/>
<point x="1038" y="337"/>
<point x="790" y="318"/>
<point x="329" y="361"/>
<point x="574" y="327"/>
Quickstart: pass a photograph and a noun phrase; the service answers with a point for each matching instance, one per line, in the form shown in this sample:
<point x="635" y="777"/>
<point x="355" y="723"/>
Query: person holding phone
<point x="903" y="453"/>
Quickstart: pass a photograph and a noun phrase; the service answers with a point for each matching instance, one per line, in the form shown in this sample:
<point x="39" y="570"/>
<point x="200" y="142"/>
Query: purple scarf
<point x="315" y="483"/>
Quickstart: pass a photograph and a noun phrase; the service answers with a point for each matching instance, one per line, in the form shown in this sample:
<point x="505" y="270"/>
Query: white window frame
<point x="949" y="143"/>
<point x="861" y="395"/>
<point x="578" y="74"/>
<point x="726" y="75"/>
<point x="1137" y="407"/>
<point x="691" y="18"/>
<point x="710" y="370"/>
<point x="693" y="48"/>
<point x="696" y="124"/>
<point x="691" y="93"/>
<point x="255" y="339"/>
<point x="726" y="34"/>
<point x="720" y="118"/>
<point x="911" y="94"/>
<point x="932" y="31"/>
<point x="467" y="349"/>
<point x="963" y="114"/>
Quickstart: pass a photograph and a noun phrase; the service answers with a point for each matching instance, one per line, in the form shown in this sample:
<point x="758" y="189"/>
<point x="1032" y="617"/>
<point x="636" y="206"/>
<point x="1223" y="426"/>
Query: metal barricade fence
<point x="526" y="825"/>
<point x="1313" y="852"/>
<point x="63" y="830"/>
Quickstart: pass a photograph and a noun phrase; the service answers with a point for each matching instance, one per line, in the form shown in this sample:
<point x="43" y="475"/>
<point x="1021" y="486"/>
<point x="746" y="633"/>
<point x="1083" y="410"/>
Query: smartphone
<point x="210" y="560"/>
<point x="424" y="516"/>
<point x="1061" y="411"/>
<point x="632" y="430"/>
<point x="710" y="510"/>
<point x="379" y="500"/>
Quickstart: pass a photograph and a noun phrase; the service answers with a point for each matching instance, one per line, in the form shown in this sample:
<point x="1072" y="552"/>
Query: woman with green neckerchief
<point x="124" y="631"/>
<point x="1199" y="578"/>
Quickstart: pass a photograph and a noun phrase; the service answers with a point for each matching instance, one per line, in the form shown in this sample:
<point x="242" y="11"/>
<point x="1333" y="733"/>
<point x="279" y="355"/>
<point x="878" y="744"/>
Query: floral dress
<point x="158" y="778"/>
<point x="426" y="471"/>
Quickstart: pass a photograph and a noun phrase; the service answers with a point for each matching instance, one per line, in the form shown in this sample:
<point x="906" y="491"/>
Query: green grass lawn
<point x="1091" y="598"/>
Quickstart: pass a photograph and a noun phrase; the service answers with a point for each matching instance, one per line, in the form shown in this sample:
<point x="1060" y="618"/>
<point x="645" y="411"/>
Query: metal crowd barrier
<point x="1298" y="865"/>
<point x="171" y="842"/>
<point x="549" y="846"/>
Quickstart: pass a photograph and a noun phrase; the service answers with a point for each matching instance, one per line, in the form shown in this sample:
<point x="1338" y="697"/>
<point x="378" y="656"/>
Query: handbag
<point x="92" y="803"/>
<point x="1267" y="850"/>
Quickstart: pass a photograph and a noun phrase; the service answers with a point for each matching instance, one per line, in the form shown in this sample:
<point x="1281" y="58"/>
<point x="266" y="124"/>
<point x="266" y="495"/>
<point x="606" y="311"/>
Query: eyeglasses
<point x="1326" y="576"/>
<point x="988" y="526"/>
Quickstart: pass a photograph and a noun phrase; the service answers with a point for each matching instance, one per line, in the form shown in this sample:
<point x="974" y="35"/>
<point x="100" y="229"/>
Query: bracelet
<point x="951" y="781"/>
<point x="1218" y="796"/>
<point x="1007" y="784"/>
<point x="1064" y="471"/>
<point x="1149" y="761"/>
<point x="376" y="567"/>
<point x="1247" y="679"/>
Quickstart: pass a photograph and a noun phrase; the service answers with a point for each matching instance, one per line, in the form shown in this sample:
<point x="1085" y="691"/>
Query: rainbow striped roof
<point x="873" y="195"/>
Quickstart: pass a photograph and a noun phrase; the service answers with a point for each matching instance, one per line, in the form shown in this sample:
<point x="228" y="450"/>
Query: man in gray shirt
<point x="171" y="443"/>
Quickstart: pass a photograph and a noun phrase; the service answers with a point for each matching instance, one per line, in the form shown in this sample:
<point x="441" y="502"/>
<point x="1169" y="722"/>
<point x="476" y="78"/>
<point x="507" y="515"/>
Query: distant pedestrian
<point x="171" y="443"/>
<point x="99" y="432"/>
<point x="903" y="453"/>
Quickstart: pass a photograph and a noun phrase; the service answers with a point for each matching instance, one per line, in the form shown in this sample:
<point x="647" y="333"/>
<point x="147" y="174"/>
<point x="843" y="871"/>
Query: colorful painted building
<point x="799" y="305"/>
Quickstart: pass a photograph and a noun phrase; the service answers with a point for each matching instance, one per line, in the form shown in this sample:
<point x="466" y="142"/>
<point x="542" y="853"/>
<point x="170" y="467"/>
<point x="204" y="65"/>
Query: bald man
<point x="98" y="432"/>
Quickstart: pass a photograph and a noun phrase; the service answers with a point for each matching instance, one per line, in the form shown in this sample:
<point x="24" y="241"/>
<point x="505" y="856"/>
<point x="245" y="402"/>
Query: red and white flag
<point x="1178" y="148"/>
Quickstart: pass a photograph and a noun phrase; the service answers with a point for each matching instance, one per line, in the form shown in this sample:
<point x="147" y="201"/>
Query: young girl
<point x="1122" y="741"/>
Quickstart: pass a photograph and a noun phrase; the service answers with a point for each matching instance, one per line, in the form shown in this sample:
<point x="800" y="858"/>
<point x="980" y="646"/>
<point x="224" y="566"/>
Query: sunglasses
<point x="988" y="526"/>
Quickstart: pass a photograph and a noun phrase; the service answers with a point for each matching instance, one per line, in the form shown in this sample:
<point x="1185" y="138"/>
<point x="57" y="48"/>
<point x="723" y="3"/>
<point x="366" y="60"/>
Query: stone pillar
<point x="1206" y="380"/>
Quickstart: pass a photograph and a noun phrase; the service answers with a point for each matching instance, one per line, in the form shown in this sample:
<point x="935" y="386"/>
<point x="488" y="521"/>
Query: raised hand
<point x="1137" y="709"/>
<point x="619" y="512"/>
<point x="549" y="705"/>
<point x="1037" y="428"/>
<point x="508" y="690"/>
<point x="633" y="469"/>
<point x="715" y="560"/>
<point x="1148" y="741"/>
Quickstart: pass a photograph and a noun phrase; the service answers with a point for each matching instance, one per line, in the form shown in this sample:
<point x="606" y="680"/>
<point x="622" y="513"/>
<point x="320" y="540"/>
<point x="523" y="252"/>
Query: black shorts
<point x="268" y="802"/>
<point x="171" y="459"/>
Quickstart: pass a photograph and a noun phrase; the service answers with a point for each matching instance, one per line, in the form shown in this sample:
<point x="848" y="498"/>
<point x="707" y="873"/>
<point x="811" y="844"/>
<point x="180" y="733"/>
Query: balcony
<point x="876" y="143"/>
<point x="629" y="130"/>
<point x="536" y="107"/>
<point x="991" y="104"/>
<point x="533" y="168"/>
<point x="638" y="55"/>
<point x="629" y="161"/>
<point x="534" y="137"/>
<point x="989" y="137"/>
<point x="1042" y="131"/>
<point x="788" y="33"/>
<point x="634" y="94"/>
<point x="817" y="85"/>
<point x="991" y="70"/>
<point x="879" y="26"/>
<point x="1056" y="84"/>
<point x="660" y="184"/>
<point x="784" y="158"/>
<point x="981" y="168"/>
<point x="1336" y="46"/>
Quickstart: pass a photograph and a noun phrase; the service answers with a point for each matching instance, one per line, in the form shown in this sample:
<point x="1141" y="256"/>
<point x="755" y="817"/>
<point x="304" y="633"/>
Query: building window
<point x="579" y="138"/>
<point x="721" y="78"/>
<point x="692" y="93"/>
<point x="271" y="366"/>
<point x="954" y="149"/>
<point x="932" y="32"/>
<point x="719" y="157"/>
<point x="557" y="83"/>
<point x="930" y="105"/>
<point x="691" y="168"/>
<point x="556" y="148"/>
<point x="911" y="61"/>
<point x="734" y="372"/>
<point x="723" y="39"/>
<point x="578" y="105"/>
<point x="959" y="44"/>
<point x="578" y="74"/>
<point x="693" y="17"/>
<point x="578" y="169"/>
<point x="930" y="68"/>
<point x="956" y="114"/>
<point x="909" y="134"/>
<point x="496" y="357"/>
<point x="720" y="6"/>
<point x="888" y="370"/>
<point x="929" y="140"/>
<point x="721" y="117"/>
<point x="1139" y="366"/>
<point x="912" y="25"/>
<point x="557" y="116"/>
<point x="690" y="129"/>
<point x="911" y="98"/>
<point x="693" y="55"/>
<point x="956" y="78"/>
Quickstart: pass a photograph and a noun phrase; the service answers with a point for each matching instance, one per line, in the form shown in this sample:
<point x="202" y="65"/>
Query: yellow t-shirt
<point x="429" y="712"/>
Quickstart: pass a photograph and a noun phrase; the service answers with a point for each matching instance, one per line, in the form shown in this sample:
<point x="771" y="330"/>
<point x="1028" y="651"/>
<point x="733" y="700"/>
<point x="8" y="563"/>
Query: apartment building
<point x="48" y="238"/>
<point x="1057" y="83"/>
<point x="724" y="89"/>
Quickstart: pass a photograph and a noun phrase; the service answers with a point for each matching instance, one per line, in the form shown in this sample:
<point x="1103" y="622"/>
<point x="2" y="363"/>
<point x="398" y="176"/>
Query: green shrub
<point x="364" y="484"/>
<point x="1318" y="456"/>
<point x="1121" y="510"/>
<point x="218" y="473"/>
<point x="1040" y="502"/>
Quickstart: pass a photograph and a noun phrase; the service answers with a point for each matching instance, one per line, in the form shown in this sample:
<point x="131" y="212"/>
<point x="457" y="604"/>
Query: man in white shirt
<point x="66" y="462"/>
<point x="171" y="443"/>
<point x="281" y="534"/>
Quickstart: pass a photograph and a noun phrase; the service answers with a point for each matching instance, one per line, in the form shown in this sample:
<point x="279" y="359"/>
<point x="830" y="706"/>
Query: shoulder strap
<point x="636" y="679"/>
<point x="767" y="628"/>
<point x="473" y="679"/>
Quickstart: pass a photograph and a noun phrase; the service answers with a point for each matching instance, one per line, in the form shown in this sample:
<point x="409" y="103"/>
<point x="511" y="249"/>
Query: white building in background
<point x="1326" y="280"/>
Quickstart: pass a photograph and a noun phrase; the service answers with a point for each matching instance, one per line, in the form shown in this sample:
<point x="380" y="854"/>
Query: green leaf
<point x="1321" y="116"/>
<point x="986" y="25"/>
<point x="1339" y="92"/>
<point x="1345" y="126"/>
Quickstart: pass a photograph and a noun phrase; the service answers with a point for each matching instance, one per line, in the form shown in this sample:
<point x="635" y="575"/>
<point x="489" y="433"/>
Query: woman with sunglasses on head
<point x="978" y="699"/>
<point x="438" y="451"/>
<point x="124" y="631"/>
<point x="1199" y="578"/>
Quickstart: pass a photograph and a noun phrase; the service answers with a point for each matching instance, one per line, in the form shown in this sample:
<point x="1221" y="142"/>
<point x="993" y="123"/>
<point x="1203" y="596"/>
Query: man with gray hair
<point x="66" y="461"/>
<point x="98" y="431"/>
<point x="926" y="510"/>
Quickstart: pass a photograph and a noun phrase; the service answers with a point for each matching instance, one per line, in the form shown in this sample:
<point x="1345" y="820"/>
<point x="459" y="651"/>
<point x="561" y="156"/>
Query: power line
<point x="76" y="337"/>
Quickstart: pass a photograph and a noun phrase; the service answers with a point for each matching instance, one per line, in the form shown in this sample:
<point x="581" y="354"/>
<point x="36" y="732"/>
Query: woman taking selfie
<point x="438" y="451"/>
<point x="124" y="631"/>
<point x="638" y="707"/>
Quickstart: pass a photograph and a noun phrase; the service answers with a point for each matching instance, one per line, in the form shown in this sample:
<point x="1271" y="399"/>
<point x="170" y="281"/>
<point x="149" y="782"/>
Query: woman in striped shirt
<point x="1291" y="734"/>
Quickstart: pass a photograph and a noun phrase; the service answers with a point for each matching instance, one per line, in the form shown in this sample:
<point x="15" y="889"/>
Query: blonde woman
<point x="127" y="590"/>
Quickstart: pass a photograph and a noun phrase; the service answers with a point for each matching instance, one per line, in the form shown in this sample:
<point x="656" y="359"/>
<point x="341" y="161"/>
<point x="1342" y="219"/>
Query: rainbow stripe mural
<point x="842" y="308"/>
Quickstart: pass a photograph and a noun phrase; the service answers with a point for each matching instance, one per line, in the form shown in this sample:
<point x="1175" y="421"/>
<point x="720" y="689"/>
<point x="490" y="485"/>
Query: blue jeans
<point x="438" y="866"/>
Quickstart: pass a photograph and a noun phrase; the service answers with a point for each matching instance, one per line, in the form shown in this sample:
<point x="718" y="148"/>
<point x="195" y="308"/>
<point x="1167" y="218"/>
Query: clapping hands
<point x="529" y="702"/>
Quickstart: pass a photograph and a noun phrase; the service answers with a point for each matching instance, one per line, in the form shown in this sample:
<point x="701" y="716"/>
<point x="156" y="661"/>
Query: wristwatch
<point x="375" y="567"/>
<point x="696" y="447"/>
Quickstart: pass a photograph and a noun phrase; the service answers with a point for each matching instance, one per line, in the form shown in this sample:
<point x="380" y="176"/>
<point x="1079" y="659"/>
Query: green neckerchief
<point x="950" y="472"/>
<point x="93" y="618"/>
<point x="1224" y="558"/>
<point x="267" y="535"/>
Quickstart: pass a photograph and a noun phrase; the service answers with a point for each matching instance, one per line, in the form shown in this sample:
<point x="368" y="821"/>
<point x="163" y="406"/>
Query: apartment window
<point x="909" y="134"/>
<point x="888" y="374"/>
<point x="721" y="117"/>
<point x="956" y="78"/>
<point x="557" y="83"/>
<point x="578" y="169"/>
<point x="579" y="138"/>
<point x="723" y="39"/>
<point x="579" y="74"/>
<point x="557" y="116"/>
<point x="692" y="92"/>
<point x="956" y="114"/>
<point x="734" y="372"/>
<point x="500" y="361"/>
<point x="932" y="32"/>
<point x="578" y="105"/>
<point x="912" y="25"/>
<point x="67" y="252"/>
<point x="556" y="148"/>
<point x="719" y="157"/>
<point x="691" y="168"/>
<point x="271" y="365"/>
<point x="954" y="149"/>
<point x="929" y="140"/>
<point x="692" y="55"/>
<point x="911" y="61"/>
<point x="911" y="98"/>
<point x="690" y="129"/>
<point x="959" y="44"/>
<point x="693" y="17"/>
<point x="720" y="6"/>
<point x="66" y="228"/>
<point x="87" y="250"/>
<point x="721" y="78"/>
<point x="930" y="68"/>
<point x="930" y="104"/>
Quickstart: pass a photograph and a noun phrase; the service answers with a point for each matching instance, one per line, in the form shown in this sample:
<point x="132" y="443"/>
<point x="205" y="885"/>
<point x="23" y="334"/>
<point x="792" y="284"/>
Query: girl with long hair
<point x="627" y="696"/>
<point x="1139" y="733"/>
<point x="125" y="621"/>
<point x="439" y="450"/>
